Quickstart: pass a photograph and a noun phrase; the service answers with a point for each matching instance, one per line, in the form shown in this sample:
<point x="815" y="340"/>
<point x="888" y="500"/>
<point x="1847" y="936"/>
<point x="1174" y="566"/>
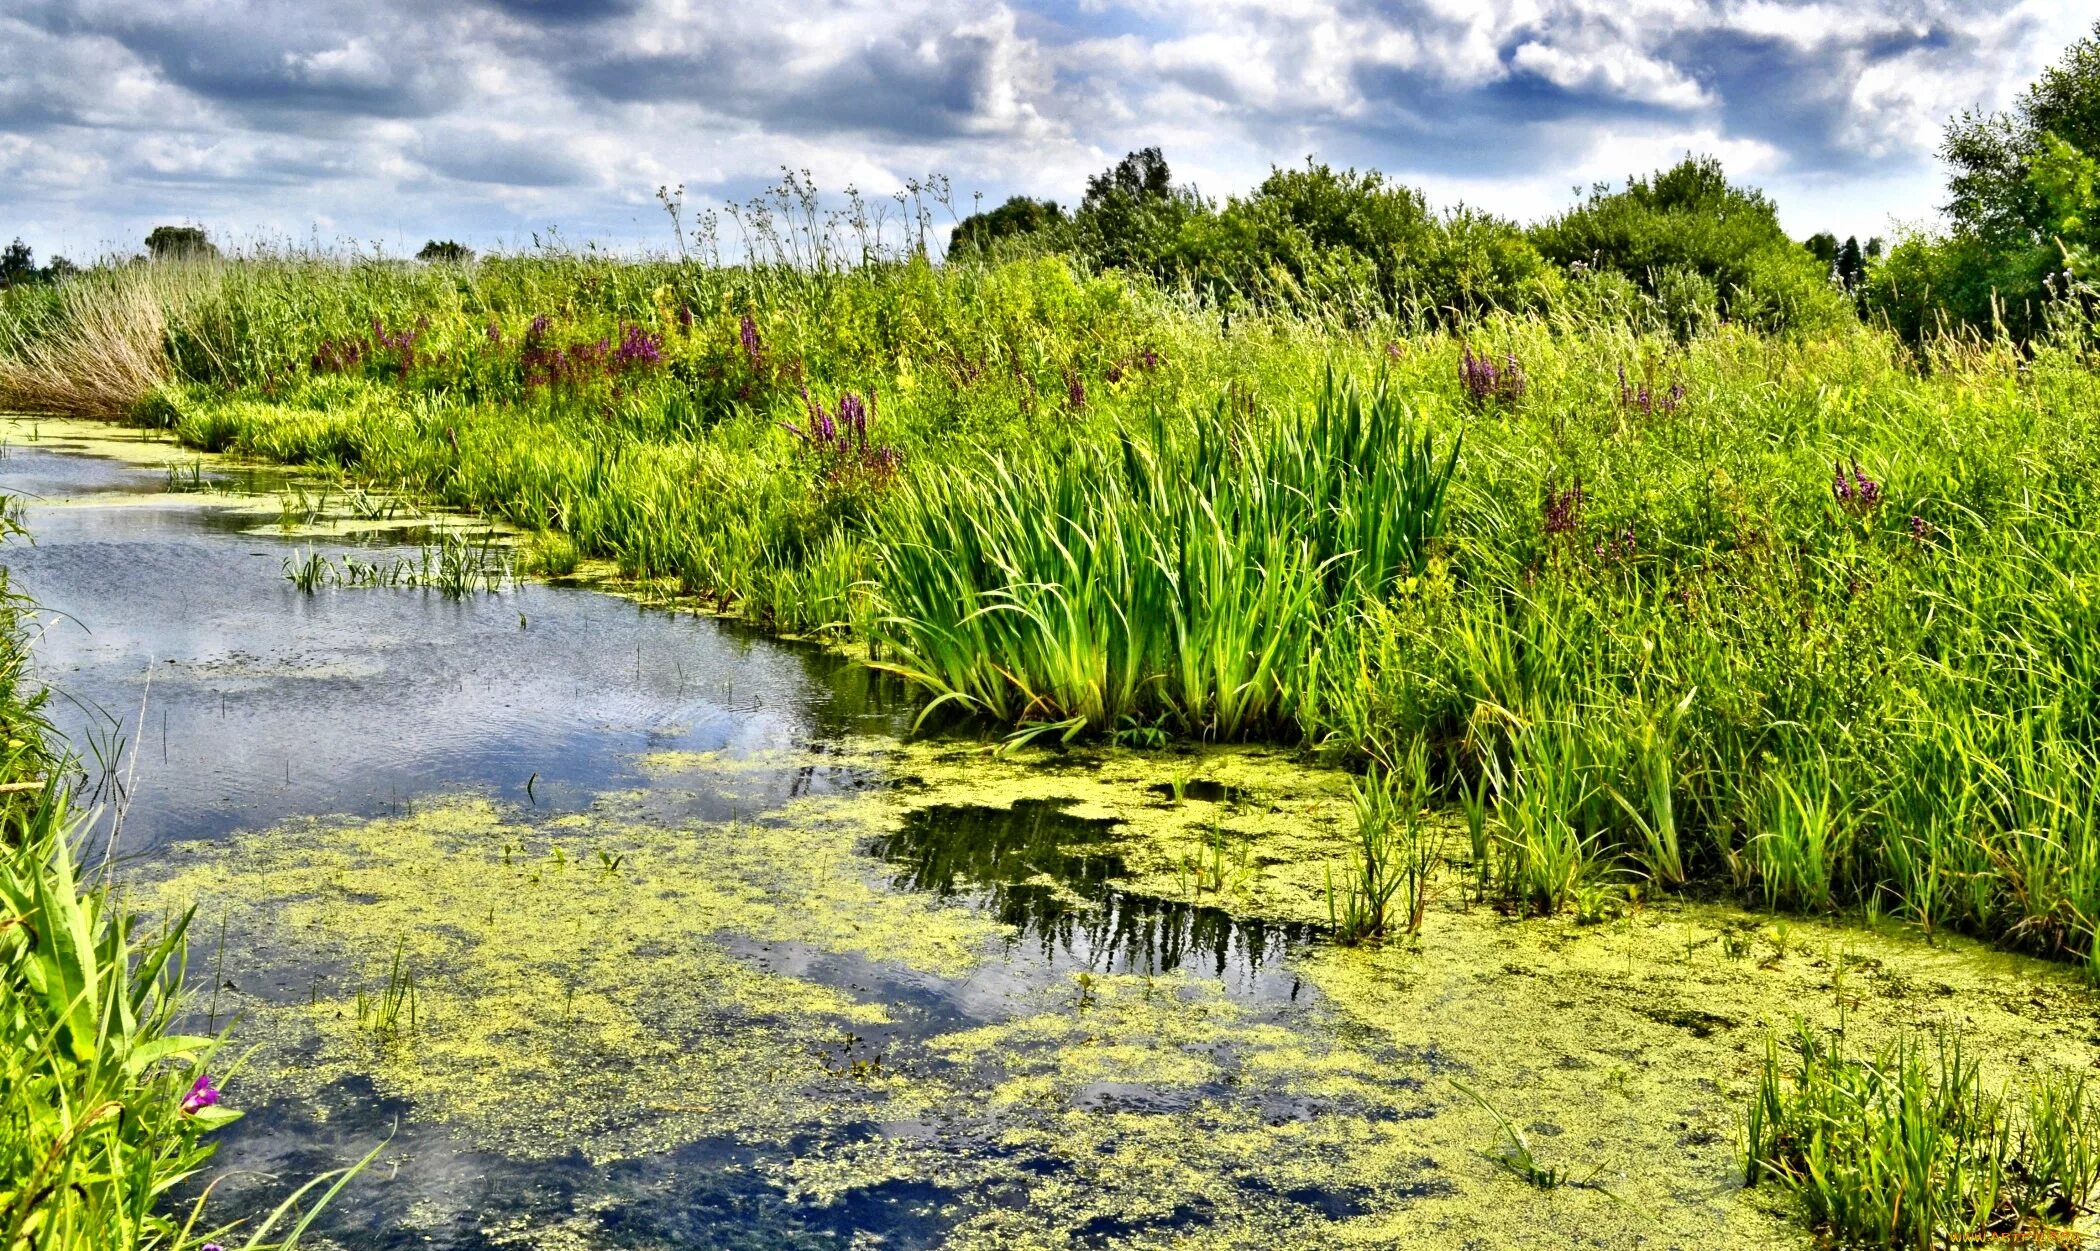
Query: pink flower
<point x="202" y="1095"/>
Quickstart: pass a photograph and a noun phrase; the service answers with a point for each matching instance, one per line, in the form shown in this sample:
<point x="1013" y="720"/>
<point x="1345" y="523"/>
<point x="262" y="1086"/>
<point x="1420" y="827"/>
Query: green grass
<point x="1914" y="1147"/>
<point x="1644" y="638"/>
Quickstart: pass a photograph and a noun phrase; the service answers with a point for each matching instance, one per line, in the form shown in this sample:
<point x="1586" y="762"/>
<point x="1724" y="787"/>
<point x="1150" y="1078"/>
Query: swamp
<point x="1291" y="720"/>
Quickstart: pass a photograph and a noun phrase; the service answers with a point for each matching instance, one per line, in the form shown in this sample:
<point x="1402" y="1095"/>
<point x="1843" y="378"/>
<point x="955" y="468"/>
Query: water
<point x="210" y="699"/>
<point x="169" y="628"/>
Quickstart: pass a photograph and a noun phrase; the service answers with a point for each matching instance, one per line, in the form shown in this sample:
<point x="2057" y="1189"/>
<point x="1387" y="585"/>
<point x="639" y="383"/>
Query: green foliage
<point x="445" y="252"/>
<point x="17" y="264"/>
<point x="1021" y="224"/>
<point x="1700" y="246"/>
<point x="1077" y="591"/>
<point x="2021" y="211"/>
<point x="1350" y="241"/>
<point x="179" y="243"/>
<point x="1912" y="1147"/>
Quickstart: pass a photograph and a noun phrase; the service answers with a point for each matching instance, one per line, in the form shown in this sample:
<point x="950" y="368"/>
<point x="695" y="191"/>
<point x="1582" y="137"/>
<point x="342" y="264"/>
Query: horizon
<point x="500" y="120"/>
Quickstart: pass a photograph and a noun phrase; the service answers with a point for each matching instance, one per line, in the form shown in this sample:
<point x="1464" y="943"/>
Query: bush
<point x="1689" y="219"/>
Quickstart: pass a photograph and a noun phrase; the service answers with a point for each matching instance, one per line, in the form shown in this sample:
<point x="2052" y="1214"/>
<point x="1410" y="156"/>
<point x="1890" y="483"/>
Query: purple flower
<point x="1075" y="390"/>
<point x="853" y="415"/>
<point x="1854" y="491"/>
<point x="211" y="1246"/>
<point x="1919" y="528"/>
<point x="495" y="333"/>
<point x="1150" y="359"/>
<point x="1562" y="510"/>
<point x="202" y="1095"/>
<point x="747" y="333"/>
<point x="638" y="349"/>
<point x="538" y="327"/>
<point x="1486" y="382"/>
<point x="842" y="441"/>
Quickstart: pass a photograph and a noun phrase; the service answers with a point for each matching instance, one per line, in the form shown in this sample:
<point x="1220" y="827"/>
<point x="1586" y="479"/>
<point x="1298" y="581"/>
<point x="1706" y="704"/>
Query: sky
<point x="377" y="124"/>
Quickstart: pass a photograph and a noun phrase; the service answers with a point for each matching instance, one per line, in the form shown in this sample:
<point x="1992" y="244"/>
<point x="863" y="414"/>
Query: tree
<point x="1140" y="175"/>
<point x="1134" y="217"/>
<point x="445" y="252"/>
<point x="1851" y="264"/>
<point x="1018" y="218"/>
<point x="1824" y="247"/>
<point x="17" y="264"/>
<point x="179" y="243"/>
<point x="2020" y="211"/>
<point x="1694" y="242"/>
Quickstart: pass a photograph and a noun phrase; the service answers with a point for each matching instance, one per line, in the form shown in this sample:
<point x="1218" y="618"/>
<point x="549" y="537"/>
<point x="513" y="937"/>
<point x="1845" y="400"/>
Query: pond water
<point x="631" y="928"/>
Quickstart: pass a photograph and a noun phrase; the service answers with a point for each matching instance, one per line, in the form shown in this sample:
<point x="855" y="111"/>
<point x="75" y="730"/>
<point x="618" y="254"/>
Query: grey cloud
<point x="497" y="115"/>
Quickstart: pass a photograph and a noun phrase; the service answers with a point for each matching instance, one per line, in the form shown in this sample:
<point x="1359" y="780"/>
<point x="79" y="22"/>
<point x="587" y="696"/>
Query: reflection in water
<point x="169" y="630"/>
<point x="1052" y="876"/>
<point x="242" y="702"/>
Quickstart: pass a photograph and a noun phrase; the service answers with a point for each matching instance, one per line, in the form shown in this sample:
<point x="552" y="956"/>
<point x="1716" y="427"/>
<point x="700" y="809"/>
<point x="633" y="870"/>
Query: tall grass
<point x="1912" y="1146"/>
<point x="95" y="346"/>
<point x="1809" y="618"/>
<point x="1182" y="573"/>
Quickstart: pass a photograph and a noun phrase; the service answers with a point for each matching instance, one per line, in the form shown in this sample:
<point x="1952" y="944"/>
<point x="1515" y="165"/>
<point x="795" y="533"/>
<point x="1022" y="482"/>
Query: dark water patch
<point x="1691" y="1020"/>
<point x="1054" y="878"/>
<point x="431" y="1190"/>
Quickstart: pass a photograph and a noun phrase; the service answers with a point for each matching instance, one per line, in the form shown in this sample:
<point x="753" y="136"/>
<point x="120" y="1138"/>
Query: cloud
<point x="487" y="119"/>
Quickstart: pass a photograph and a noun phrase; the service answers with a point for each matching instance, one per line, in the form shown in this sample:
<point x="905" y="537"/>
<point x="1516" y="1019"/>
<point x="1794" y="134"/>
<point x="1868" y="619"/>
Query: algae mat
<point x="1079" y="1037"/>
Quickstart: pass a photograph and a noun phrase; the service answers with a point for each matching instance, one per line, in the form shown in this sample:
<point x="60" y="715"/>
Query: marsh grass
<point x="1387" y="885"/>
<point x="95" y="346"/>
<point x="1816" y="630"/>
<point x="1913" y="1147"/>
<point x="389" y="1013"/>
<point x="457" y="566"/>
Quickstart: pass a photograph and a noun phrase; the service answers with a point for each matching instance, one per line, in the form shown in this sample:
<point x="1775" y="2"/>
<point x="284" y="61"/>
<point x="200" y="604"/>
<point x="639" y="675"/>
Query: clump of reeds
<point x="1913" y="1147"/>
<point x="99" y="346"/>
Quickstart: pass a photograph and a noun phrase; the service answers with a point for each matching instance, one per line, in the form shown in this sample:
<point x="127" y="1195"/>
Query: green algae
<point x="570" y="990"/>
<point x="610" y="1003"/>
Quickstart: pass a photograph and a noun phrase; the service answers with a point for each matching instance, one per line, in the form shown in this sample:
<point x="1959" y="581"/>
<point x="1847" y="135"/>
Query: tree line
<point x="1682" y="248"/>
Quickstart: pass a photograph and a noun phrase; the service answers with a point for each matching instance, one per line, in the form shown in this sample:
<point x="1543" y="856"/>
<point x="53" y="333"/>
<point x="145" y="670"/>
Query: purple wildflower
<point x="1562" y="509"/>
<point x="1854" y="491"/>
<point x="1075" y="390"/>
<point x="1645" y="398"/>
<point x="1919" y="528"/>
<point x="202" y="1095"/>
<point x="747" y="333"/>
<point x="1150" y="359"/>
<point x="842" y="440"/>
<point x="538" y="327"/>
<point x="1486" y="382"/>
<point x="495" y="333"/>
<point x="853" y="416"/>
<point x="638" y="349"/>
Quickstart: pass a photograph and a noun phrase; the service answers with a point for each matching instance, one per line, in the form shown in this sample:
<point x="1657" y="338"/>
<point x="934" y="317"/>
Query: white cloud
<point x="487" y="119"/>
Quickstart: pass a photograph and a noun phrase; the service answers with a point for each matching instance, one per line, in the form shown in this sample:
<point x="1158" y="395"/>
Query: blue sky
<point x="385" y="122"/>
